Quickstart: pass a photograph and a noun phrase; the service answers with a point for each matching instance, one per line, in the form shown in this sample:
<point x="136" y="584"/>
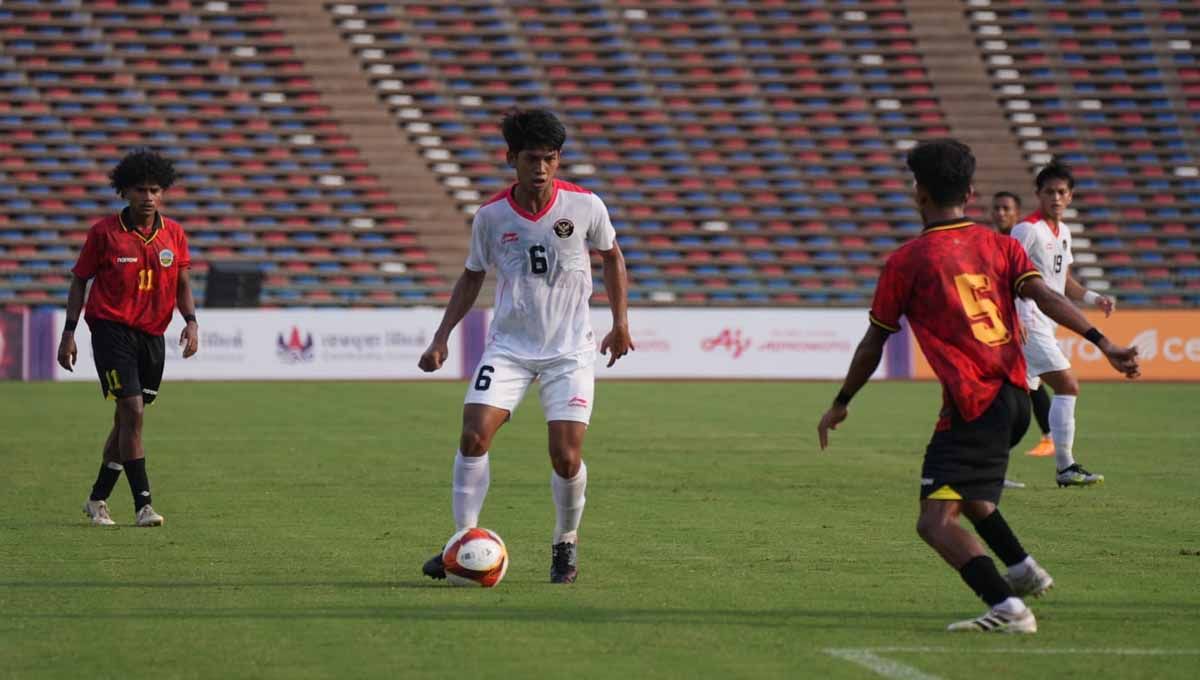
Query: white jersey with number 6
<point x="1050" y="249"/>
<point x="543" y="270"/>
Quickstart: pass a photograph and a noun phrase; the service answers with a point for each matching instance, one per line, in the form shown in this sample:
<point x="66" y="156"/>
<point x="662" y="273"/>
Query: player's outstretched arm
<point x="866" y="359"/>
<point x="189" y="339"/>
<point x="616" y="286"/>
<point x="1059" y="308"/>
<point x="67" y="351"/>
<point x="466" y="291"/>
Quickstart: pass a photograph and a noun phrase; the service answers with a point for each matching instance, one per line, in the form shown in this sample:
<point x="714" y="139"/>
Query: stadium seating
<point x="1113" y="88"/>
<point x="267" y="174"/>
<point x="750" y="152"/>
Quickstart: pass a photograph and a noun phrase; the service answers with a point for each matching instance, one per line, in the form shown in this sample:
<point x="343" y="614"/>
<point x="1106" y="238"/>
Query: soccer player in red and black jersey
<point x="956" y="284"/>
<point x="138" y="262"/>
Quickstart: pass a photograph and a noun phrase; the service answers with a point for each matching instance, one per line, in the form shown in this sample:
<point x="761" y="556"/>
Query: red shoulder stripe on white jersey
<point x="500" y="196"/>
<point x="567" y="186"/>
<point x="1033" y="217"/>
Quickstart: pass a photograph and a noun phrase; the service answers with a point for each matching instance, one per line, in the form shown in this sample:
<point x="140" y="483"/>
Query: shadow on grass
<point x="475" y="613"/>
<point x="448" y="612"/>
<point x="183" y="585"/>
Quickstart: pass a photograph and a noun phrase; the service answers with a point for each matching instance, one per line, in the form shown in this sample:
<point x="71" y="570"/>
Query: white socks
<point x="569" y="500"/>
<point x="472" y="474"/>
<point x="1021" y="568"/>
<point x="1062" y="429"/>
<point x="1013" y="605"/>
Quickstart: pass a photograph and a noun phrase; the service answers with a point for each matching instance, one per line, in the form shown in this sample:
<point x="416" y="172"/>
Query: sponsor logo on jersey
<point x="564" y="228"/>
<point x="126" y="260"/>
<point x="578" y="402"/>
<point x="294" y="349"/>
<point x="165" y="257"/>
<point x="508" y="237"/>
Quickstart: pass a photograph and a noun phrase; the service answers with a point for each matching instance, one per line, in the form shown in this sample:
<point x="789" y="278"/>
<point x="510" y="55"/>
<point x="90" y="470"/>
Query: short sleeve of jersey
<point x="478" y="257"/>
<point x="184" y="256"/>
<point x="1025" y="234"/>
<point x="891" y="295"/>
<point x="601" y="234"/>
<point x="1020" y="266"/>
<point x="90" y="257"/>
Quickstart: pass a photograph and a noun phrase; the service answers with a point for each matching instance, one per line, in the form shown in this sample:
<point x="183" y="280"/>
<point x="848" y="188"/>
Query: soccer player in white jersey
<point x="1006" y="212"/>
<point x="536" y="236"/>
<point x="1048" y="241"/>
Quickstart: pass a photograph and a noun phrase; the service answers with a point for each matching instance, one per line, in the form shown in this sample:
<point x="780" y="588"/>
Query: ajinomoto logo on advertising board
<point x="1168" y="345"/>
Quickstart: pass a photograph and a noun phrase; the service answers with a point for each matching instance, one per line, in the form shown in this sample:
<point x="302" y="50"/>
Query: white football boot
<point x="1034" y="582"/>
<point x="146" y="517"/>
<point x="97" y="511"/>
<point x="997" y="620"/>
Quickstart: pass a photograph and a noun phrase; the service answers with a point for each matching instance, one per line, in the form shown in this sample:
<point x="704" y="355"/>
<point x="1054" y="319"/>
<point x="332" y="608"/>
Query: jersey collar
<point x="532" y="217"/>
<point x="944" y="225"/>
<point x="158" y="224"/>
<point x="1037" y="216"/>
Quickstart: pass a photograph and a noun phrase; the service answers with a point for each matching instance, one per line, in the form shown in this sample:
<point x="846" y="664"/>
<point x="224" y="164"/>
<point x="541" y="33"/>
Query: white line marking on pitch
<point x="869" y="657"/>
<point x="1050" y="650"/>
<point x="885" y="667"/>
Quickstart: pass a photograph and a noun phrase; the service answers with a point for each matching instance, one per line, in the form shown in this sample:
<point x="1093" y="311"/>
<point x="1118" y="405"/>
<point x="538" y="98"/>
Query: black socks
<point x="135" y="472"/>
<point x="105" y="481"/>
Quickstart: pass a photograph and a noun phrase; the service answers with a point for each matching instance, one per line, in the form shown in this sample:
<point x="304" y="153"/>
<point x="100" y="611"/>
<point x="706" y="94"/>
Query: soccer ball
<point x="475" y="557"/>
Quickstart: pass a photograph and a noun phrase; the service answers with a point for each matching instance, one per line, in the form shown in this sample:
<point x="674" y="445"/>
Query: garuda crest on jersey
<point x="564" y="228"/>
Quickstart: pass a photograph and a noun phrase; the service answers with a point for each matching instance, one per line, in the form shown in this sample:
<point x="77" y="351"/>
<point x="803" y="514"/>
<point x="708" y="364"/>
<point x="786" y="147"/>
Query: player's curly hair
<point x="142" y="165"/>
<point x="1055" y="169"/>
<point x="533" y="129"/>
<point x="944" y="168"/>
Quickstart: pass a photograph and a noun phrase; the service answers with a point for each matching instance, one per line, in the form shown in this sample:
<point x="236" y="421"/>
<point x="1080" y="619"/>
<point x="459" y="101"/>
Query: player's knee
<point x="930" y="526"/>
<point x="474" y="442"/>
<point x="977" y="510"/>
<point x="129" y="413"/>
<point x="1065" y="384"/>
<point x="566" y="463"/>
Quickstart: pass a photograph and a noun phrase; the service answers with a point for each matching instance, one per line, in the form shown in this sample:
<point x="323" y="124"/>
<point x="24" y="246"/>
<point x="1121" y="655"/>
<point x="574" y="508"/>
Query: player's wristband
<point x="842" y="399"/>
<point x="70" y="325"/>
<point x="1091" y="297"/>
<point x="190" y="318"/>
<point x="1094" y="336"/>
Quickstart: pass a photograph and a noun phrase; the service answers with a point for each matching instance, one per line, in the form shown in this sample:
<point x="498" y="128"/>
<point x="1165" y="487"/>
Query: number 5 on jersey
<point x="986" y="324"/>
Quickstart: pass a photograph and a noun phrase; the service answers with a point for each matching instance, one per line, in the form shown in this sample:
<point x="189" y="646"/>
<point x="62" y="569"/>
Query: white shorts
<point x="568" y="384"/>
<point x="1042" y="355"/>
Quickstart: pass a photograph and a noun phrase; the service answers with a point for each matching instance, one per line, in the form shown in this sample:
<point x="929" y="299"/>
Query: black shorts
<point x="968" y="460"/>
<point x="129" y="361"/>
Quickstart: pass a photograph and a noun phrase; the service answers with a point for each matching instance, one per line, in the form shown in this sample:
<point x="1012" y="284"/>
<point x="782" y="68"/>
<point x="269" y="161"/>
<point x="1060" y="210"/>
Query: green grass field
<point x="718" y="541"/>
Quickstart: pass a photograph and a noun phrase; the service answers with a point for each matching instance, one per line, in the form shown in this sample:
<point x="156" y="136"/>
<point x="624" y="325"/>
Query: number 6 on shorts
<point x="484" y="380"/>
